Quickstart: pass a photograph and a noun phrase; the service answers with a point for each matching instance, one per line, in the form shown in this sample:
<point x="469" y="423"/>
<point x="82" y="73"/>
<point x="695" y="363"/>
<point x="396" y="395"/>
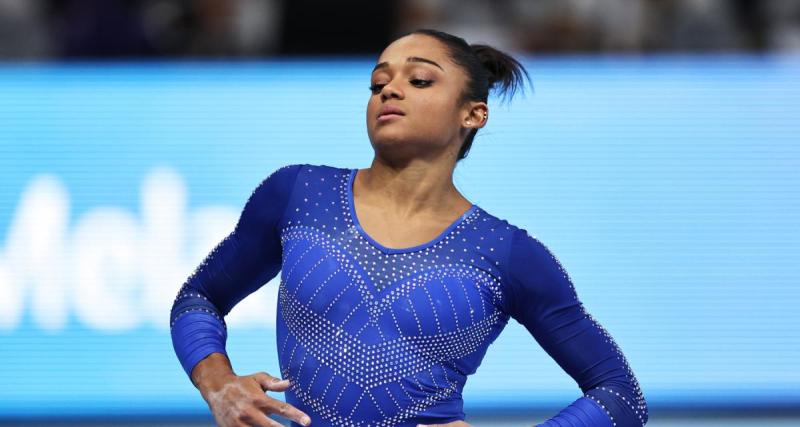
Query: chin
<point x="395" y="146"/>
<point x="389" y="137"/>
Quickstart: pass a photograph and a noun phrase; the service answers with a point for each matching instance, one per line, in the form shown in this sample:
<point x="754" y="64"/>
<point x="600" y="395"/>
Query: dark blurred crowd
<point x="44" y="29"/>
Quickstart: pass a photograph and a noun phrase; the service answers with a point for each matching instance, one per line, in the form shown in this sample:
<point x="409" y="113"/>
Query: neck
<point x="414" y="188"/>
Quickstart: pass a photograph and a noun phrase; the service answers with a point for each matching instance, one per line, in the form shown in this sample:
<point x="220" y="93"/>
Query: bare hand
<point x="450" y="424"/>
<point x="241" y="401"/>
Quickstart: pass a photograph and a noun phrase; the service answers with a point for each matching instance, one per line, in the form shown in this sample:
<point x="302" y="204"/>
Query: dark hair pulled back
<point x="487" y="69"/>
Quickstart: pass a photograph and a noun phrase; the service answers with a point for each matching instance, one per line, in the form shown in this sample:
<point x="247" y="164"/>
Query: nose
<point x="390" y="90"/>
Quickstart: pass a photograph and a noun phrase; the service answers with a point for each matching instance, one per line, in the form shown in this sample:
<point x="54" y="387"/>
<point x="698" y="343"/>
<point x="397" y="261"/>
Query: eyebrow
<point x="409" y="59"/>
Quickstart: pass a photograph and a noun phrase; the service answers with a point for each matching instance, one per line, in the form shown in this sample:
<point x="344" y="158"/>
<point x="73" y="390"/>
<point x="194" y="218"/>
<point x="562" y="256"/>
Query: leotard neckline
<point x="442" y="235"/>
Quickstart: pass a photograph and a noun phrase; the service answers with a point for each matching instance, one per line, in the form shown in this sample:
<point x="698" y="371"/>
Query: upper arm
<point x="251" y="254"/>
<point x="545" y="301"/>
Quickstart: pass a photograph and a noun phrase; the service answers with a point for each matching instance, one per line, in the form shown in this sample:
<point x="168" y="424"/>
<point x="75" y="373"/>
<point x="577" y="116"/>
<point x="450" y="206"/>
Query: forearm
<point x="606" y="405"/>
<point x="196" y="333"/>
<point x="583" y="412"/>
<point x="611" y="392"/>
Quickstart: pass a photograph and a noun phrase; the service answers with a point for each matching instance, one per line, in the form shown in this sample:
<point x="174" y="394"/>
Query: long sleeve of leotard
<point x="240" y="264"/>
<point x="545" y="301"/>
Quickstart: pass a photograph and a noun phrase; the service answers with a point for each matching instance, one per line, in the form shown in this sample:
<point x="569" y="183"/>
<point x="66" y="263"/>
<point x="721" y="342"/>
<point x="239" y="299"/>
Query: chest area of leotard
<point x="332" y="272"/>
<point x="378" y="297"/>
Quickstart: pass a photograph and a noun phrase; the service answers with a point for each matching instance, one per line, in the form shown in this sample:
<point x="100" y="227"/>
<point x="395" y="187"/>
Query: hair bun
<point x="502" y="69"/>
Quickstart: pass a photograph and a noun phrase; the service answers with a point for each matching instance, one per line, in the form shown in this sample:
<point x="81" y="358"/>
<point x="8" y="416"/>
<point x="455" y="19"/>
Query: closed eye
<point x="376" y="88"/>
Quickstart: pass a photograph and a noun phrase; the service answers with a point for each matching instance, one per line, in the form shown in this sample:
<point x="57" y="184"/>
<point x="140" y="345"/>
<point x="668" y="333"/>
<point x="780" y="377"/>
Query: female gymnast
<point x="393" y="285"/>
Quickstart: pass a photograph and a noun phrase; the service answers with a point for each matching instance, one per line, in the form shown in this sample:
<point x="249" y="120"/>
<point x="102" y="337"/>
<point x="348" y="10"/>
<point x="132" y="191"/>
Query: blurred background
<point x="235" y="29"/>
<point x="657" y="155"/>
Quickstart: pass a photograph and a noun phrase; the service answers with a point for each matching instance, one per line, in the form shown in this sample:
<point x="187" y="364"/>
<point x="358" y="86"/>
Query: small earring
<point x="485" y="115"/>
<point x="469" y="122"/>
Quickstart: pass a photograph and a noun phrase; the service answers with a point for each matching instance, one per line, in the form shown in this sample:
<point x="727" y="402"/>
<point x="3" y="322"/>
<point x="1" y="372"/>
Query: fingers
<point x="270" y="383"/>
<point x="243" y="402"/>
<point x="277" y="407"/>
<point x="269" y="405"/>
<point x="258" y="419"/>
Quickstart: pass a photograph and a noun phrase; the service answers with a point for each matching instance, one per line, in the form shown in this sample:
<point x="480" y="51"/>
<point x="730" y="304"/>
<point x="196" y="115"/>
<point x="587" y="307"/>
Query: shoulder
<point x="284" y="176"/>
<point x="493" y="224"/>
<point x="274" y="190"/>
<point x="525" y="258"/>
<point x="525" y="244"/>
<point x="512" y="236"/>
<point x="306" y="168"/>
<point x="278" y="182"/>
<point x="522" y="245"/>
<point x="278" y="187"/>
<point x="319" y="169"/>
<point x="528" y="253"/>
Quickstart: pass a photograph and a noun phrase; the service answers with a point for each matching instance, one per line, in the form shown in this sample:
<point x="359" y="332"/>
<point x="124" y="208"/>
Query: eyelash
<point x="376" y="88"/>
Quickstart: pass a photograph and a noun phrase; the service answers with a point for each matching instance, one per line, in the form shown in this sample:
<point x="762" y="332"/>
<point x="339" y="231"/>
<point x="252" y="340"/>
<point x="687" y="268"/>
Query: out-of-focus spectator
<point x="257" y="25"/>
<point x="217" y="28"/>
<point x="474" y="20"/>
<point x="576" y="25"/>
<point x="258" y="28"/>
<point x="23" y="30"/>
<point x="691" y="25"/>
<point x="782" y="19"/>
<point x="98" y="28"/>
<point x="337" y="27"/>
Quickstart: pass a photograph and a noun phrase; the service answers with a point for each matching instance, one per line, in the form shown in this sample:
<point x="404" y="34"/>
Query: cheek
<point x="436" y="112"/>
<point x="373" y="107"/>
<point x="373" y="104"/>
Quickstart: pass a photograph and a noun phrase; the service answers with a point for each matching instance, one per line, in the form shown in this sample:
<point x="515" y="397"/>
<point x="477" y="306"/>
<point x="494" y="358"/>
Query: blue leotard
<point x="378" y="336"/>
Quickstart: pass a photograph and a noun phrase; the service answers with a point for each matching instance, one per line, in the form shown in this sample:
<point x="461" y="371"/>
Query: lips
<point x="390" y="110"/>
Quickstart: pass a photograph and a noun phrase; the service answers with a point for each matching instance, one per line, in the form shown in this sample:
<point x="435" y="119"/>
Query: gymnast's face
<point x="415" y="76"/>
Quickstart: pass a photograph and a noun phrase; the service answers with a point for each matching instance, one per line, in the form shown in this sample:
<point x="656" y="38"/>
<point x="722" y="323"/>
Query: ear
<point x="475" y="115"/>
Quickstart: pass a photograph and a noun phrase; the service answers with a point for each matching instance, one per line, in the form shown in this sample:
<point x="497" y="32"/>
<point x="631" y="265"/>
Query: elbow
<point x="644" y="409"/>
<point x="192" y="299"/>
<point x="625" y="402"/>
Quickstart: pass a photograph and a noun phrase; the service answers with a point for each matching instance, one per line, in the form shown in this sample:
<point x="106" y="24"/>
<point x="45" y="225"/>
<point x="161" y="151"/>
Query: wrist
<point x="211" y="373"/>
